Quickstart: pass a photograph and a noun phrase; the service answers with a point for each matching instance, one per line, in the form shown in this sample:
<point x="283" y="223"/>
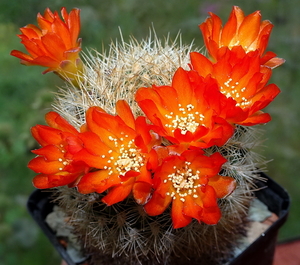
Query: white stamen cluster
<point x="230" y="91"/>
<point x="187" y="121"/>
<point x="184" y="181"/>
<point x="64" y="161"/>
<point x="129" y="157"/>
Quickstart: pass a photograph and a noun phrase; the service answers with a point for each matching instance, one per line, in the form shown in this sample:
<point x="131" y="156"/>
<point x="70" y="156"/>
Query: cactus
<point x="123" y="217"/>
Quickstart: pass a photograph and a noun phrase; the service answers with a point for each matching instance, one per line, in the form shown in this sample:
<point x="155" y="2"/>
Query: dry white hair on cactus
<point x="119" y="72"/>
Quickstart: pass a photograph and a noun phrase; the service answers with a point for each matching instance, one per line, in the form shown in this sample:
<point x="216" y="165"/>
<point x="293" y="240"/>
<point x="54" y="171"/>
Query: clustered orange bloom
<point x="249" y="32"/>
<point x="190" y="182"/>
<point x="159" y="158"/>
<point x="121" y="147"/>
<point x="54" y="44"/>
<point x="55" y="162"/>
<point x="243" y="82"/>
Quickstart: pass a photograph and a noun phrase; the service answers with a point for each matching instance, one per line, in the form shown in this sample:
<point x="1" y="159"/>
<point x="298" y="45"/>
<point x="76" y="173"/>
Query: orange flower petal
<point x="90" y="159"/>
<point x="257" y="118"/>
<point x="50" y="152"/>
<point x="201" y="64"/>
<point x="93" y="144"/>
<point x="211" y="216"/>
<point x="40" y="165"/>
<point x="249" y="29"/>
<point x="157" y="204"/>
<point x="118" y="193"/>
<point x="54" y="46"/>
<point x="123" y="110"/>
<point x="56" y="121"/>
<point x="275" y="62"/>
<point x="50" y="181"/>
<point x="223" y="186"/>
<point x="97" y="181"/>
<point x="182" y="86"/>
<point x="141" y="192"/>
<point x="21" y="55"/>
<point x="31" y="32"/>
<point x="62" y="31"/>
<point x="73" y="21"/>
<point x="264" y="97"/>
<point x="208" y="196"/>
<point x="178" y="217"/>
<point x="190" y="208"/>
<point x="230" y="28"/>
<point x="46" y="135"/>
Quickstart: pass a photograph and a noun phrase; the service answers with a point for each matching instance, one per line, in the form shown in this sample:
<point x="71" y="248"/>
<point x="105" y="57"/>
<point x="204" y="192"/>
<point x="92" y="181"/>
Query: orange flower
<point x="192" y="184"/>
<point x="242" y="81"/>
<point x="54" y="44"/>
<point x="55" y="162"/>
<point x="247" y="31"/>
<point x="119" y="148"/>
<point x="182" y="113"/>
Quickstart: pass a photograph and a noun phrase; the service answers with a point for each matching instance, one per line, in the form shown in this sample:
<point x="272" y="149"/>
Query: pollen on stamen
<point x="186" y="121"/>
<point x="184" y="181"/>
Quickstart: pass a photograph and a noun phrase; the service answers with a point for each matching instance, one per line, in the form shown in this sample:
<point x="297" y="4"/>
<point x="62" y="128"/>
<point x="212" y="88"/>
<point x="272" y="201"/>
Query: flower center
<point x="231" y="89"/>
<point x="64" y="162"/>
<point x="129" y="157"/>
<point x="187" y="120"/>
<point x="184" y="182"/>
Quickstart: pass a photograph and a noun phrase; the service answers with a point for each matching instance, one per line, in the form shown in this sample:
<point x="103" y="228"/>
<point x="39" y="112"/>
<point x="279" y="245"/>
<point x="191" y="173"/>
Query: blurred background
<point x="26" y="95"/>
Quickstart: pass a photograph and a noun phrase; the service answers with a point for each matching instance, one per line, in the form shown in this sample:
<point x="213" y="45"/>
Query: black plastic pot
<point x="260" y="252"/>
